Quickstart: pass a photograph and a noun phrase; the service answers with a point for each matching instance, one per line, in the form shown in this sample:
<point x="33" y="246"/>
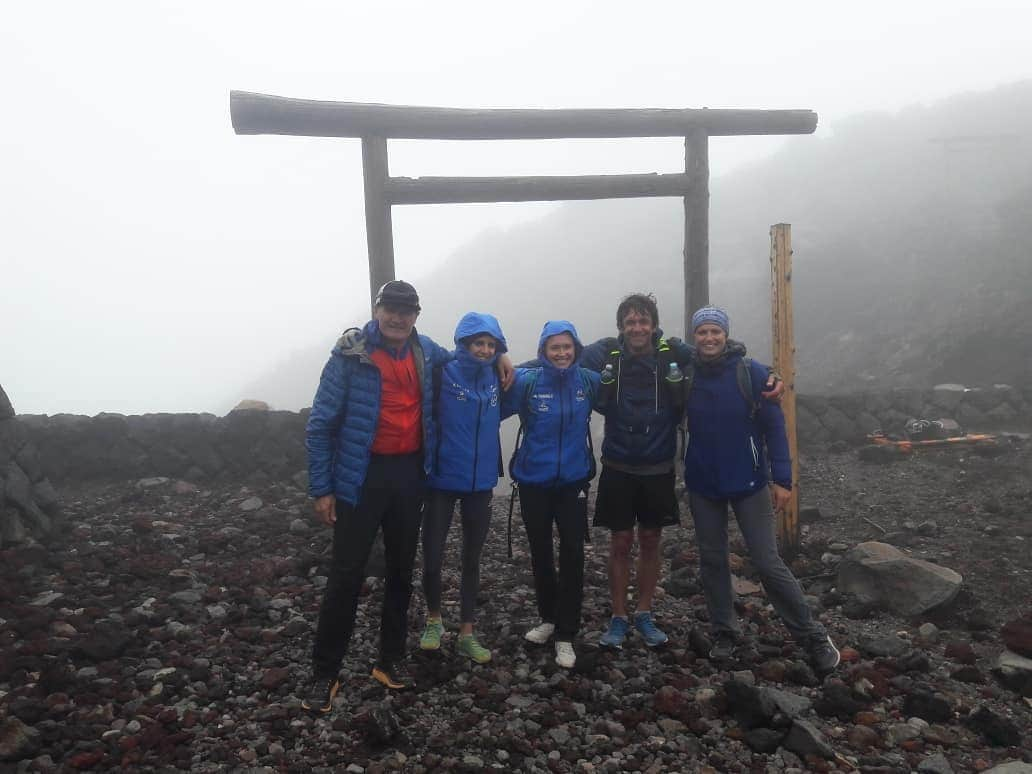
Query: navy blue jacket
<point x="467" y="413"/>
<point x="346" y="409"/>
<point x="641" y="424"/>
<point x="555" y="406"/>
<point x="731" y="453"/>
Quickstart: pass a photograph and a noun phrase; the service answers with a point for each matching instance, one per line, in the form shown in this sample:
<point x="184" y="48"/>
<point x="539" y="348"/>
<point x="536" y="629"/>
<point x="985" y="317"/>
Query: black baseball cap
<point x="398" y="292"/>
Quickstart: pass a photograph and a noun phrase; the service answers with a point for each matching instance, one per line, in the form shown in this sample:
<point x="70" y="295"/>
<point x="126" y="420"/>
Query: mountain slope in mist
<point x="912" y="255"/>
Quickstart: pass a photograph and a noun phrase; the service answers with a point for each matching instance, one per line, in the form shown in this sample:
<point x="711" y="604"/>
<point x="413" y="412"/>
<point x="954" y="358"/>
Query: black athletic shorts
<point x="626" y="499"/>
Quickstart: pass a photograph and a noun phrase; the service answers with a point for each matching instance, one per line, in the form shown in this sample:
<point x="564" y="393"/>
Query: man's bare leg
<point x="620" y="569"/>
<point x="649" y="541"/>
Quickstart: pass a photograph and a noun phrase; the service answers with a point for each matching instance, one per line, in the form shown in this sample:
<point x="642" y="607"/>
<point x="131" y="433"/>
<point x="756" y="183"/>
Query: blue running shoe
<point x="616" y="634"/>
<point x="653" y="635"/>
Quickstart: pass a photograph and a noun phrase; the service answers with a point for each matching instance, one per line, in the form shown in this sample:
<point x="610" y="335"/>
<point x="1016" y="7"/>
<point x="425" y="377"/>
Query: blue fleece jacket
<point x="555" y="406"/>
<point x="730" y="452"/>
<point x="346" y="408"/>
<point x="467" y="413"/>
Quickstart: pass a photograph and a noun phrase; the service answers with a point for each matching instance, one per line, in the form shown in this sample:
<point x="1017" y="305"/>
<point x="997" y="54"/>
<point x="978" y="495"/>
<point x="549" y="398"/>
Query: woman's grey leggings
<point x="475" y="508"/>
<point x="755" y="517"/>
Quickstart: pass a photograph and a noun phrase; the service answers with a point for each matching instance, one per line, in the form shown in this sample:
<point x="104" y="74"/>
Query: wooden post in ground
<point x="696" y="225"/>
<point x="784" y="363"/>
<point x="379" y="230"/>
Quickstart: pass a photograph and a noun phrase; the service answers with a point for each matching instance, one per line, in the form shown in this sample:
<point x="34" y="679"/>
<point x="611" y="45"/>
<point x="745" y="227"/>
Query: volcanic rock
<point x="879" y="573"/>
<point x="997" y="730"/>
<point x="1017" y="635"/>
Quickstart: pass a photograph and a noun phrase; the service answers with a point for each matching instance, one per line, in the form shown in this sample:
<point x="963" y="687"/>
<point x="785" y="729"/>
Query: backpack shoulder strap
<point x="743" y="375"/>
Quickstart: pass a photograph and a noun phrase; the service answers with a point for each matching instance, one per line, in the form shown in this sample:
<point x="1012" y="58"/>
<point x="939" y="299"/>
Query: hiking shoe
<point x="565" y="656"/>
<point x="653" y="635"/>
<point x="541" y="633"/>
<point x="723" y="647"/>
<point x="319" y="694"/>
<point x="615" y="634"/>
<point x="823" y="654"/>
<point x="431" y="637"/>
<point x="394" y="677"/>
<point x="473" y="650"/>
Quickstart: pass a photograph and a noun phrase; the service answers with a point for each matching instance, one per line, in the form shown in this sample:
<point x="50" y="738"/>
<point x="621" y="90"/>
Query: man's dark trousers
<point x="392" y="499"/>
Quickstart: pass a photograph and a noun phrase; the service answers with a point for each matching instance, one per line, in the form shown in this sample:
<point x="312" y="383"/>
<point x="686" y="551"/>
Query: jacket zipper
<point x="755" y="454"/>
<point x="562" y="415"/>
<point x="476" y="437"/>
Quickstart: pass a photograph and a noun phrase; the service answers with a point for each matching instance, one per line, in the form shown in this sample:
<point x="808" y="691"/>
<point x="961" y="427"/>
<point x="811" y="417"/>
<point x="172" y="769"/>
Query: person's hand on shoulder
<point x="326" y="509"/>
<point x="774" y="389"/>
<point x="506" y="372"/>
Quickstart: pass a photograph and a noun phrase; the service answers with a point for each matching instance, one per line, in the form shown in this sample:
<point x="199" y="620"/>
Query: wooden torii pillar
<point x="374" y="124"/>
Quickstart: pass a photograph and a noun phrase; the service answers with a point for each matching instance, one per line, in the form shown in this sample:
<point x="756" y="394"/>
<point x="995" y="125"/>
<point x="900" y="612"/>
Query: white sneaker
<point x="564" y="655"/>
<point x="540" y="634"/>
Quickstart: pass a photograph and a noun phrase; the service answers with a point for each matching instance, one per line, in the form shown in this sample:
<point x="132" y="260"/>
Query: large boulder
<point x="28" y="503"/>
<point x="880" y="574"/>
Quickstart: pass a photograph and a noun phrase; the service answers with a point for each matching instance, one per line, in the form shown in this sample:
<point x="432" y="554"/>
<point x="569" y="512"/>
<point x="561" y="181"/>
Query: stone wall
<point x="823" y="419"/>
<point x="262" y="444"/>
<point x="244" y="444"/>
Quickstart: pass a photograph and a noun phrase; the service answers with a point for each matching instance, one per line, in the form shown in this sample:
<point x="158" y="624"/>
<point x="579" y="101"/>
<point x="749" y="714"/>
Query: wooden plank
<point x="784" y="364"/>
<point x="696" y="226"/>
<point x="268" y="114"/>
<point x="379" y="230"/>
<point x="440" y="190"/>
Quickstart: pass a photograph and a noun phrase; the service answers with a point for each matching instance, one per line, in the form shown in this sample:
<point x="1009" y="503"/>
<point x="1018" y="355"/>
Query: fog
<point x="151" y="260"/>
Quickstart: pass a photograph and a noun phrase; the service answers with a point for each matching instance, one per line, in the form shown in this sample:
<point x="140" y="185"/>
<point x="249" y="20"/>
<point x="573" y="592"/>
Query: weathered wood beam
<point x="379" y="228"/>
<point x="267" y="114"/>
<point x="452" y="190"/>
<point x="783" y="339"/>
<point x="696" y="226"/>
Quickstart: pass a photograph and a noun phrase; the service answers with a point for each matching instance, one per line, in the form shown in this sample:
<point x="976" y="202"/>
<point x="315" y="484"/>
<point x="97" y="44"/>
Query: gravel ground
<point x="169" y="626"/>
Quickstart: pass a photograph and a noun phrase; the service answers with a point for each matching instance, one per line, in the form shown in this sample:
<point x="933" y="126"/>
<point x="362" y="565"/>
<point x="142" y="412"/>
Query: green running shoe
<point x="431" y="638"/>
<point x="469" y="647"/>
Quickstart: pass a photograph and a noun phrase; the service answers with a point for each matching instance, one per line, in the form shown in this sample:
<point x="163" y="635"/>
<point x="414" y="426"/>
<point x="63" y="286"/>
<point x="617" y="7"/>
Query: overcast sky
<point x="151" y="260"/>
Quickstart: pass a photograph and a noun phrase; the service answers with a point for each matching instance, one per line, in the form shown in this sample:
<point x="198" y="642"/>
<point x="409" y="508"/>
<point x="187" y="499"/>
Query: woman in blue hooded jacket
<point x="737" y="454"/>
<point x="553" y="466"/>
<point x="464" y="468"/>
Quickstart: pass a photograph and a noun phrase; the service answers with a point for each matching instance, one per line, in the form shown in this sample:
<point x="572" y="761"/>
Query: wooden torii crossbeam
<point x="375" y="124"/>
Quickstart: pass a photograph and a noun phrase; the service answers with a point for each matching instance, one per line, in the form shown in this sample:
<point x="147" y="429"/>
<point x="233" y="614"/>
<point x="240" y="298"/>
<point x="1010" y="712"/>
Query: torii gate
<point x="375" y="124"/>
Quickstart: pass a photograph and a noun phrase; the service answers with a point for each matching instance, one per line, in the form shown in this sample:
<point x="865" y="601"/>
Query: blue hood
<point x="553" y="328"/>
<point x="474" y="323"/>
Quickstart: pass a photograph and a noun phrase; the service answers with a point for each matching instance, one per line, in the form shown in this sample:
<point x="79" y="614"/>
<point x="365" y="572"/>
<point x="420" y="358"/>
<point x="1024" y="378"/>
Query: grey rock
<point x="878" y="573"/>
<point x="936" y="764"/>
<point x="899" y="733"/>
<point x="1010" y="767"/>
<point x="186" y="597"/>
<point x="889" y="646"/>
<point x="804" y="739"/>
<point x="789" y="704"/>
<point x="17" y="740"/>
<point x="251" y="504"/>
<point x="6" y="409"/>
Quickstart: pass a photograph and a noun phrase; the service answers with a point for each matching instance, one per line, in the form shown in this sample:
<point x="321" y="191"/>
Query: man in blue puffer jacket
<point x="465" y="468"/>
<point x="738" y="456"/>
<point x="370" y="440"/>
<point x="553" y="466"/>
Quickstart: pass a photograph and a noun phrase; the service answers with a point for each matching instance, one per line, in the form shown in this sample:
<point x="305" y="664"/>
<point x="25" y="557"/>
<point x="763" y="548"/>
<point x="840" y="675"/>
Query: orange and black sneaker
<point x="395" y="677"/>
<point x="319" y="694"/>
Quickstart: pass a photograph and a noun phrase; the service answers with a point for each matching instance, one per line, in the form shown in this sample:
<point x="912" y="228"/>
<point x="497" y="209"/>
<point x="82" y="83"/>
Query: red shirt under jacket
<point x="399" y="429"/>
